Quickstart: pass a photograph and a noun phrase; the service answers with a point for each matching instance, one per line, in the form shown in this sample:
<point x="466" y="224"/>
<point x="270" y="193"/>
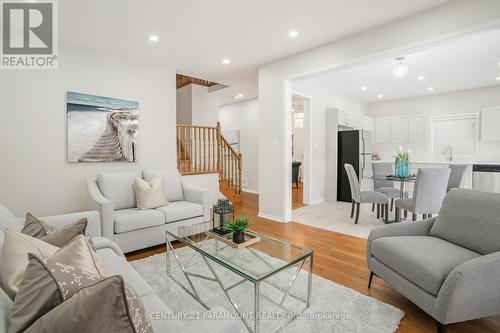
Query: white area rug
<point x="334" y="308"/>
<point x="337" y="217"/>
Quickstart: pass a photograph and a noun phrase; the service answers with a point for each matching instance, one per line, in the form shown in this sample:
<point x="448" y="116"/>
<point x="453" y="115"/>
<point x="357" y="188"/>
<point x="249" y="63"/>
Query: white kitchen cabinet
<point x="417" y="125"/>
<point x="399" y="130"/>
<point x="366" y="123"/>
<point x="490" y="121"/>
<point x="382" y="130"/>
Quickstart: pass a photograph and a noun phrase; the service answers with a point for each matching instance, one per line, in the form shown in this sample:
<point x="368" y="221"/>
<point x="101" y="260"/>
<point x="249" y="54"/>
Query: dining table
<point x="403" y="182"/>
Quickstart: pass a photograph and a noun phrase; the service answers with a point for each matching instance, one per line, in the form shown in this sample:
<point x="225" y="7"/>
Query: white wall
<point x="35" y="175"/>
<point x="184" y="105"/>
<point x="467" y="101"/>
<point x="321" y="98"/>
<point x="449" y="20"/>
<point x="196" y="105"/>
<point x="244" y="116"/>
<point x="204" y="106"/>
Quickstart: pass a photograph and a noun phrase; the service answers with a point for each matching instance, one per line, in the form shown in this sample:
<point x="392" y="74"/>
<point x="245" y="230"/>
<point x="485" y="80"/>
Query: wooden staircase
<point x="202" y="150"/>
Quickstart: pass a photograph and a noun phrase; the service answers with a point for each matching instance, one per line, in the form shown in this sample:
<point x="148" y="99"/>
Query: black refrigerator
<point x="355" y="148"/>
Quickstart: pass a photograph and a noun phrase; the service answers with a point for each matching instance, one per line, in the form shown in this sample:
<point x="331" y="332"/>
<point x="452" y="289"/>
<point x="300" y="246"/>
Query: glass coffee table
<point x="261" y="261"/>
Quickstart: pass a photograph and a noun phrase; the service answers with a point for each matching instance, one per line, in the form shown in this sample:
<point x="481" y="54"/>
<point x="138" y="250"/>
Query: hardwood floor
<point x="342" y="259"/>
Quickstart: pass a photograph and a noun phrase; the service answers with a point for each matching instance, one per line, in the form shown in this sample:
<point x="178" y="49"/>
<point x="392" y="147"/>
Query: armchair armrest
<point x="200" y="196"/>
<point x="104" y="207"/>
<point x="420" y="228"/>
<point x="471" y="290"/>
<point x="93" y="221"/>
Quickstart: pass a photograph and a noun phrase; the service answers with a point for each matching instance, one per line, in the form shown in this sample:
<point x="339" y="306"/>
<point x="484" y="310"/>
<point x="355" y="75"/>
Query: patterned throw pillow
<point x="55" y="296"/>
<point x="59" y="237"/>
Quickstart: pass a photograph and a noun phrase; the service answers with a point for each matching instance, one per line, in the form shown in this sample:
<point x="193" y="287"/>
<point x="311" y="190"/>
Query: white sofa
<point x="133" y="229"/>
<point x="113" y="260"/>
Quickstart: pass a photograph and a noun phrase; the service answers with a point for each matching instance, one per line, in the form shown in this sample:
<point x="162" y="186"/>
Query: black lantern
<point x="222" y="212"/>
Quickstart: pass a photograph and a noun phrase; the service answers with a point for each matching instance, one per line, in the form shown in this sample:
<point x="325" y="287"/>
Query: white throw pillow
<point x="150" y="194"/>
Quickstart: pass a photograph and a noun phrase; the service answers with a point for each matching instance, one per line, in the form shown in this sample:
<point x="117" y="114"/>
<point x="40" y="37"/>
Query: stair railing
<point x="203" y="149"/>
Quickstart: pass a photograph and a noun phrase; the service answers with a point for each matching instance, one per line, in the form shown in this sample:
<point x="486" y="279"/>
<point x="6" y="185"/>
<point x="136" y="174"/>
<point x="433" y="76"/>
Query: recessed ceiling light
<point x="380" y="96"/>
<point x="499" y="63"/>
<point x="430" y="88"/>
<point x="497" y="78"/>
<point x="226" y="61"/>
<point x="293" y="34"/>
<point x="238" y="96"/>
<point x="421" y="77"/>
<point x="364" y="88"/>
<point x="153" y="38"/>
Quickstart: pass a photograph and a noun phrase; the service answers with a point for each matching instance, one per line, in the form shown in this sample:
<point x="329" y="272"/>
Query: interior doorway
<point x="300" y="152"/>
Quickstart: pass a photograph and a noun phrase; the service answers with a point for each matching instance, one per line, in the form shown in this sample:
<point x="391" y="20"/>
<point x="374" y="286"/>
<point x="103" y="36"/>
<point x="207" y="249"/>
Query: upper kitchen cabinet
<point x="350" y="120"/>
<point x="399" y="130"/>
<point x="382" y="130"/>
<point x="490" y="119"/>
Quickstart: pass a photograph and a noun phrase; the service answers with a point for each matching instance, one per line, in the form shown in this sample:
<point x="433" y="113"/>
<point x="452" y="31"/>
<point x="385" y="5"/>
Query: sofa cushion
<point x="150" y="194"/>
<point x="109" y="305"/>
<point x="423" y="260"/>
<point x="470" y="219"/>
<point x="181" y="210"/>
<point x="59" y="237"/>
<point x="14" y="260"/>
<point x="48" y="282"/>
<point x="117" y="265"/>
<point x="135" y="219"/>
<point x="171" y="180"/>
<point x="118" y="187"/>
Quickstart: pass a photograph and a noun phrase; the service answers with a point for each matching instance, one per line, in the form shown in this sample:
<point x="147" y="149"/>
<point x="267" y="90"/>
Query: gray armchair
<point x="448" y="265"/>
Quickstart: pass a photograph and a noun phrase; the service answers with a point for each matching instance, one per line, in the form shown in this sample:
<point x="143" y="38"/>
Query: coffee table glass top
<point x="254" y="262"/>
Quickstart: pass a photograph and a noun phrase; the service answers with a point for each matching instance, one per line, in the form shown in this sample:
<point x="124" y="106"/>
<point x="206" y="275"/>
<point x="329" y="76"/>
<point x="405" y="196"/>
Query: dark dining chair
<point x="295" y="172"/>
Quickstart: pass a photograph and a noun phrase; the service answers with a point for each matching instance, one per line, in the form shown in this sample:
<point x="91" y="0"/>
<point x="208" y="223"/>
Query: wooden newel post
<point x="219" y="152"/>
<point x="240" y="167"/>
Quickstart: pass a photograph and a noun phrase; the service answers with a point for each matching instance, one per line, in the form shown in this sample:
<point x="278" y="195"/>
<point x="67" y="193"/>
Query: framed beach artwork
<point x="101" y="129"/>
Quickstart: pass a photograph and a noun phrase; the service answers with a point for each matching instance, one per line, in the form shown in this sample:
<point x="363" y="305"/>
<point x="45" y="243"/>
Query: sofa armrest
<point x="103" y="243"/>
<point x="415" y="228"/>
<point x="93" y="221"/>
<point x="200" y="196"/>
<point x="471" y="290"/>
<point x="104" y="207"/>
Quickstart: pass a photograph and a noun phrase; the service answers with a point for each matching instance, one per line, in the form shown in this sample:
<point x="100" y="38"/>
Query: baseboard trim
<point x="271" y="217"/>
<point x="249" y="190"/>
<point x="317" y="201"/>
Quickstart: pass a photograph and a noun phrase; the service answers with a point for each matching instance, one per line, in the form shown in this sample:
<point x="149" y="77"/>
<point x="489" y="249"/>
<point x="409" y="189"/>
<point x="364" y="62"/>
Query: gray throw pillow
<point x="108" y="305"/>
<point x="59" y="237"/>
<point x="49" y="281"/>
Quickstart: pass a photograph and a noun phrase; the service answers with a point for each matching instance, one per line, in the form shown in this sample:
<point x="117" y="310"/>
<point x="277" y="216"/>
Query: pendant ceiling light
<point x="400" y="69"/>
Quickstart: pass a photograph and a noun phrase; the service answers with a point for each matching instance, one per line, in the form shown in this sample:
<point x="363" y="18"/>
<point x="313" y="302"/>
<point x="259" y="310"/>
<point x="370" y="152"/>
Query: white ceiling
<point x="468" y="62"/>
<point x="194" y="35"/>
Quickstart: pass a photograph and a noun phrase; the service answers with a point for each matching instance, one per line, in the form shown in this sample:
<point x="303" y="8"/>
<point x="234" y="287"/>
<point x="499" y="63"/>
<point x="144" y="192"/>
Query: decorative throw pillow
<point x="108" y="305"/>
<point x="52" y="235"/>
<point x="14" y="260"/>
<point x="49" y="281"/>
<point x="150" y="194"/>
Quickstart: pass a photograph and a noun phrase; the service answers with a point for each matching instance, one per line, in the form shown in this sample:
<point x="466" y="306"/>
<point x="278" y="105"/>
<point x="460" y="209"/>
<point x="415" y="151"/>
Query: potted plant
<point x="402" y="167"/>
<point x="238" y="227"/>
